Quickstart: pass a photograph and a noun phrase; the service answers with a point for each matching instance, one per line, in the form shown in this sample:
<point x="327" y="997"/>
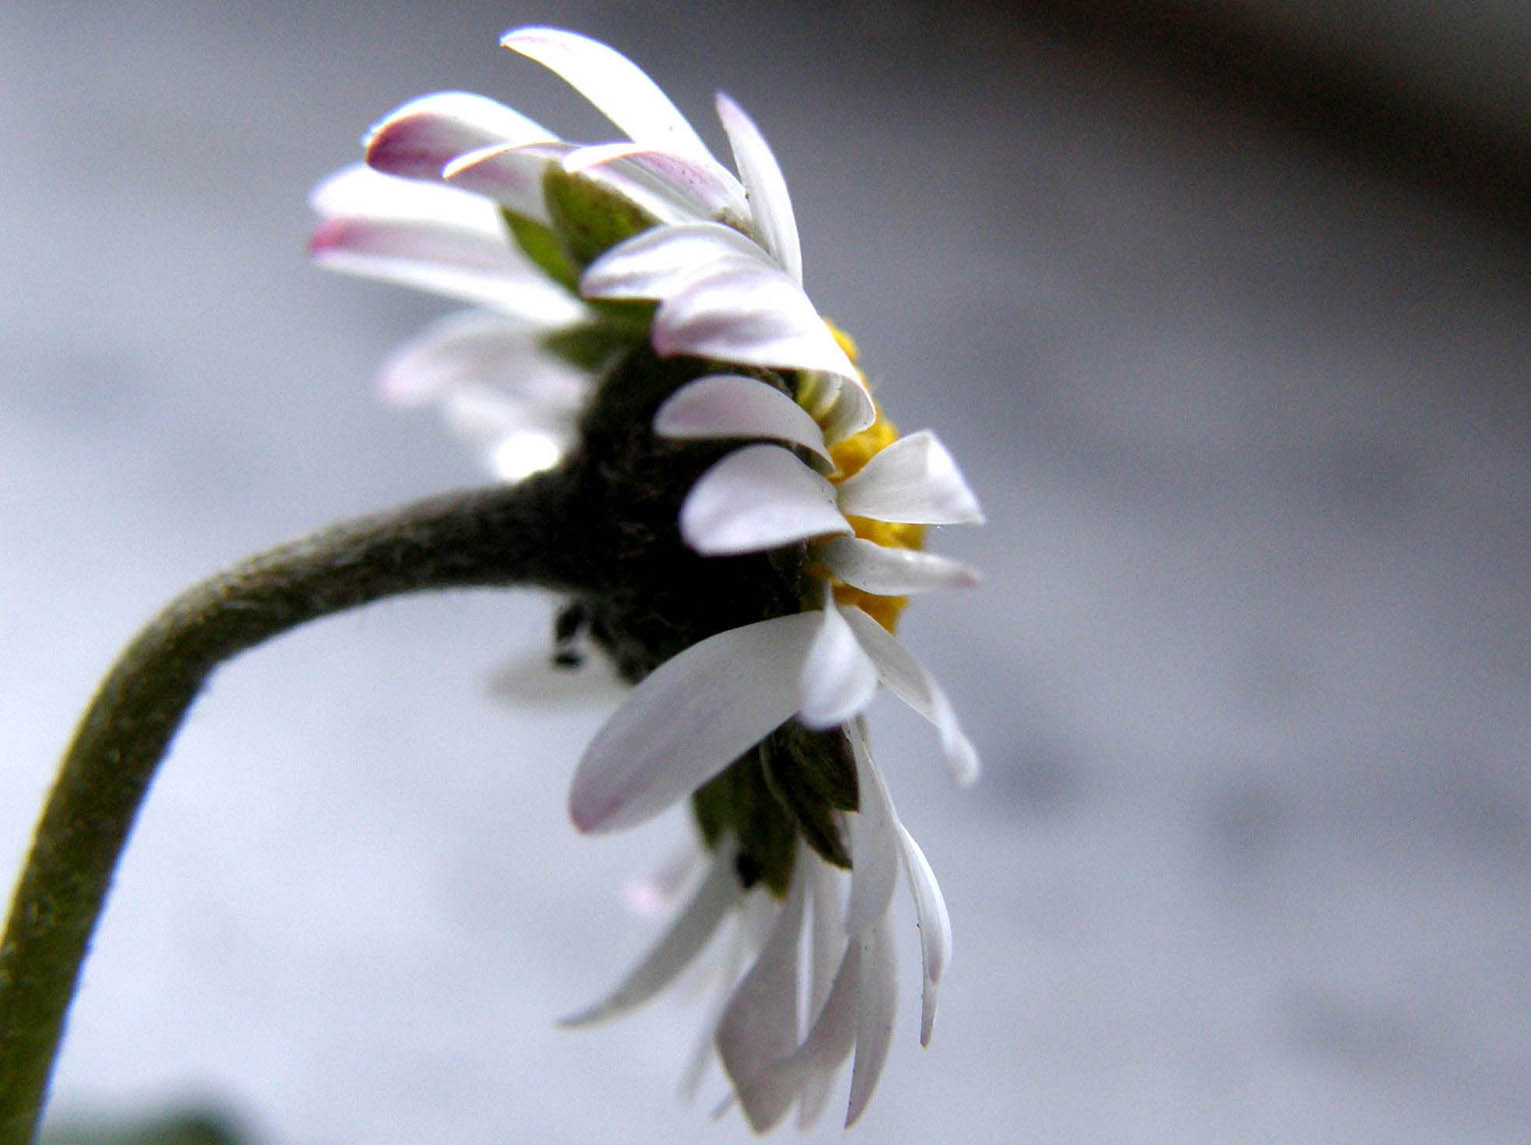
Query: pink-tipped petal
<point x="674" y="951"/>
<point x="889" y="571"/>
<point x="418" y="139"/>
<point x="909" y="681"/>
<point x="617" y="87"/>
<point x="663" y="261"/>
<point x="935" y="926"/>
<point x="759" y="1025"/>
<point x="914" y="480"/>
<point x="876" y="1000"/>
<point x="509" y="176"/>
<point x="689" y="719"/>
<point x="358" y="192"/>
<point x="453" y="262"/>
<point x="770" y="202"/>
<point x="838" y="678"/>
<point x="757" y="498"/>
<point x="731" y="405"/>
<point x="705" y="191"/>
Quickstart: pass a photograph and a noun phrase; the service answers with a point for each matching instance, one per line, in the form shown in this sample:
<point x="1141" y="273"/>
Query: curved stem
<point x="521" y="534"/>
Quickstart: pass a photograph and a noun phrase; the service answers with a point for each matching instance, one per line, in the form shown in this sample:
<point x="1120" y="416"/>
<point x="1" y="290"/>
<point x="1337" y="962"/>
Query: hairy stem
<point x="520" y="534"/>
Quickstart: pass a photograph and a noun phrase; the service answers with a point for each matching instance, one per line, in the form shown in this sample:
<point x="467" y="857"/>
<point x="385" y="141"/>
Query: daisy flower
<point x="640" y="331"/>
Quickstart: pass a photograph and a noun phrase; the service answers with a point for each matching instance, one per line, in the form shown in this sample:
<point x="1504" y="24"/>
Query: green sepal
<point x="541" y="244"/>
<point x="589" y="346"/>
<point x="740" y="801"/>
<point x="812" y="774"/>
<point x="590" y="218"/>
<point x="594" y="345"/>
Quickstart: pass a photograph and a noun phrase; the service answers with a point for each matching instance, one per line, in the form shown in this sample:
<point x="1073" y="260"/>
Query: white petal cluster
<point x="721" y="259"/>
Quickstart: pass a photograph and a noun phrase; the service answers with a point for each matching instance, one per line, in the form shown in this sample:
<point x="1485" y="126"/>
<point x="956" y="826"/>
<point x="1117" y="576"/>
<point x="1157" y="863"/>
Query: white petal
<point x="726" y="972"/>
<point x="838" y="678"/>
<point x="665" y="260"/>
<point x="876" y="999"/>
<point x="358" y="192"/>
<point x="751" y="314"/>
<point x="826" y="951"/>
<point x="510" y="176"/>
<point x="913" y="480"/>
<point x="874" y="842"/>
<point x="889" y="571"/>
<point x="909" y="681"/>
<point x="757" y="498"/>
<point x="657" y="891"/>
<point x="689" y="719"/>
<point x="614" y="84"/>
<point x="482" y="348"/>
<point x="515" y="438"/>
<point x="730" y="405"/>
<point x="935" y="926"/>
<point x="419" y="138"/>
<point x="709" y="190"/>
<point x="828" y="932"/>
<point x="810" y="1069"/>
<point x="770" y="203"/>
<point x="850" y="411"/>
<point x="759" y="1026"/>
<point x="455" y="263"/>
<point x="674" y="951"/>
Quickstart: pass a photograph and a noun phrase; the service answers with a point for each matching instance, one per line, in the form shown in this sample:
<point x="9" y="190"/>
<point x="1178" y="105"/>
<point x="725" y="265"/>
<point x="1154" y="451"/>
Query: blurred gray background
<point x="1225" y="310"/>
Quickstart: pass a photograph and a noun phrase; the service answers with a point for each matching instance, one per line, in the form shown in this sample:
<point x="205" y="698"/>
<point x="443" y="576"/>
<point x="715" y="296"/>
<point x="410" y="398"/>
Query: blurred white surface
<point x="1250" y="673"/>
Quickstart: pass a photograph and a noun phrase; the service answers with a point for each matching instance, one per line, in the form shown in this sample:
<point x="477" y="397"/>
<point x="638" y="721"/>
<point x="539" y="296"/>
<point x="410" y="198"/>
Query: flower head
<point x="641" y="330"/>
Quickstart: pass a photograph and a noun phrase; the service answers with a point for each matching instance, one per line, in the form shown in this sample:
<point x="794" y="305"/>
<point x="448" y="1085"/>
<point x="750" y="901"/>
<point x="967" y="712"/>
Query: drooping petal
<point x="810" y="1069"/>
<point x="656" y="891"/>
<point x="665" y="260"/>
<point x="358" y="192"/>
<point x="759" y="1025"/>
<point x="419" y="138"/>
<point x="935" y="926"/>
<point x="515" y="437"/>
<point x="753" y="314"/>
<point x="508" y="175"/>
<point x="909" y="681"/>
<point x="757" y="498"/>
<point x="708" y="190"/>
<point x="689" y="719"/>
<point x="617" y="87"/>
<point x="456" y="263"/>
<point x="874" y="841"/>
<point x="827" y="948"/>
<point x="681" y="942"/>
<point x="876" y="1000"/>
<point x="726" y="972"/>
<point x="888" y="571"/>
<point x="838" y="678"/>
<point x="770" y="203"/>
<point x="914" y="480"/>
<point x="475" y="347"/>
<point x="731" y="405"/>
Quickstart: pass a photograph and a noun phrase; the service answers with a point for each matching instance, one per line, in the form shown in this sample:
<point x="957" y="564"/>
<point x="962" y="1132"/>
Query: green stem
<point x="520" y="534"/>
